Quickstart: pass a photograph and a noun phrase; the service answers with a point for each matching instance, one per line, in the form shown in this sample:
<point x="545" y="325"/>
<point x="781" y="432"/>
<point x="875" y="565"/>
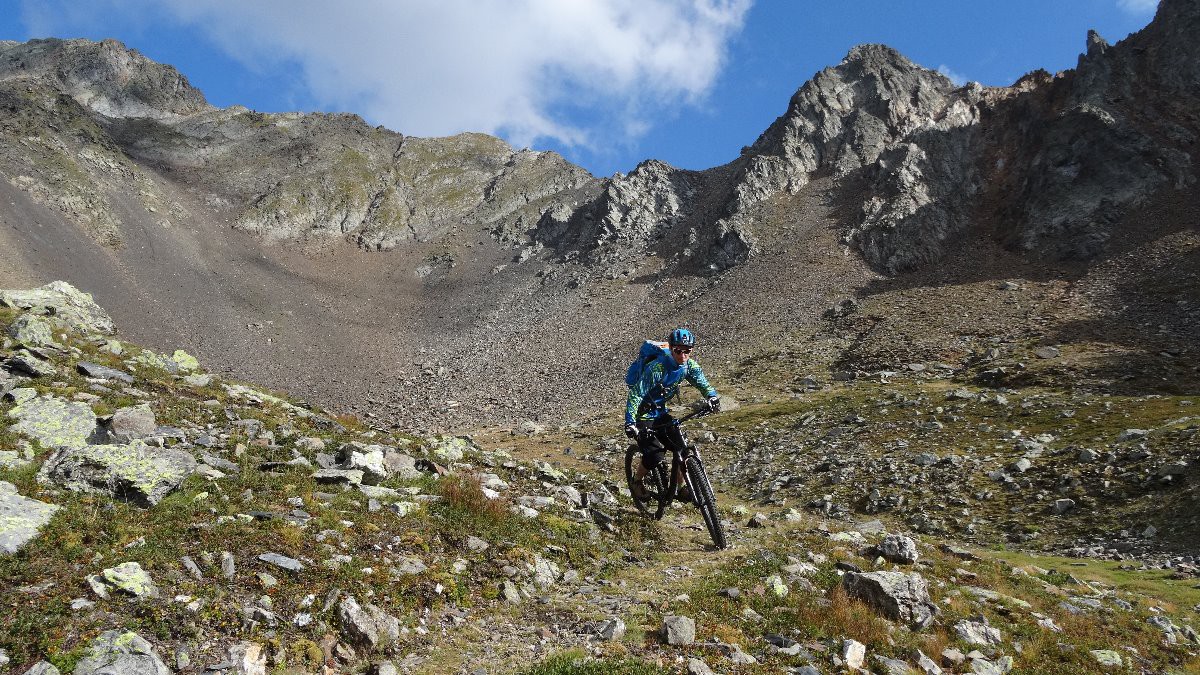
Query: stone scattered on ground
<point x="896" y="595"/>
<point x="127" y="578"/>
<point x="121" y="653"/>
<point x="679" y="630"/>
<point x="21" y="518"/>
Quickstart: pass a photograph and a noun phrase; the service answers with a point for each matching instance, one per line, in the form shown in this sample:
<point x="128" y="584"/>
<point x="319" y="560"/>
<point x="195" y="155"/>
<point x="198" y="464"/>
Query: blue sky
<point x="607" y="83"/>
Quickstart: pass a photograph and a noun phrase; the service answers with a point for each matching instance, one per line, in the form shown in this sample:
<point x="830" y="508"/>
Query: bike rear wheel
<point x="702" y="493"/>
<point x="655" y="489"/>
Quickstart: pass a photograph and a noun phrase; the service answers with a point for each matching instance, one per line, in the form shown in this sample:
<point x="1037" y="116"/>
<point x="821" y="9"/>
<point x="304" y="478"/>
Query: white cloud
<point x="1138" y="6"/>
<point x="517" y="68"/>
<point x="951" y="75"/>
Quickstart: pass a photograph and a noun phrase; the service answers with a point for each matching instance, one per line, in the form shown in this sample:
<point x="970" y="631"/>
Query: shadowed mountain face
<point x="457" y="280"/>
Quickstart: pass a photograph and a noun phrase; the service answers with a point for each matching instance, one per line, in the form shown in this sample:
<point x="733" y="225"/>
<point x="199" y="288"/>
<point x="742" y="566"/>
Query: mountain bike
<point x="659" y="488"/>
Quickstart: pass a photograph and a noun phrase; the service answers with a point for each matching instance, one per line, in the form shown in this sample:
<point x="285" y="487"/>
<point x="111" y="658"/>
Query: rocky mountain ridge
<point x="1056" y="158"/>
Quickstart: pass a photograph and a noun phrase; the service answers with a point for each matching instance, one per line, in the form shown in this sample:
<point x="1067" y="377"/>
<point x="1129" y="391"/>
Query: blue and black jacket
<point x="660" y="381"/>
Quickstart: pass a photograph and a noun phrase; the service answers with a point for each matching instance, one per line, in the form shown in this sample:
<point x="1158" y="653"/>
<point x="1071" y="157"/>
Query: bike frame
<point x="680" y="455"/>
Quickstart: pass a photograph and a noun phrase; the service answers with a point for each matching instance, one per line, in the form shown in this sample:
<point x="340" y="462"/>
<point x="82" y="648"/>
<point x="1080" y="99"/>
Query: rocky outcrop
<point x="136" y="472"/>
<point x="63" y="305"/>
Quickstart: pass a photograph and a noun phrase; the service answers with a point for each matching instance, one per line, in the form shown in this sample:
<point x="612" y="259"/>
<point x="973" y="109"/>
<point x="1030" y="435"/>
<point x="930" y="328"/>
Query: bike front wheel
<point x="705" y="500"/>
<point x="651" y="494"/>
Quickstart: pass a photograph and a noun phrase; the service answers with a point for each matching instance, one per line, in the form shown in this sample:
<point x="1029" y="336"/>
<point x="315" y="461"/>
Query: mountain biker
<point x="646" y="416"/>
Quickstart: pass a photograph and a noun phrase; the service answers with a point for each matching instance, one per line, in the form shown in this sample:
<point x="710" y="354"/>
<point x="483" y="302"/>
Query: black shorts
<point x="662" y="437"/>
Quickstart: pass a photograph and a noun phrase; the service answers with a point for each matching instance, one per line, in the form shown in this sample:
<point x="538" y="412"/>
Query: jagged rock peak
<point x="106" y="77"/>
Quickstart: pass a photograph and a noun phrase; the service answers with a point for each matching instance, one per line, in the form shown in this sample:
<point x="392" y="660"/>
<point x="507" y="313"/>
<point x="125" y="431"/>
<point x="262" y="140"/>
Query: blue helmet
<point x="681" y="337"/>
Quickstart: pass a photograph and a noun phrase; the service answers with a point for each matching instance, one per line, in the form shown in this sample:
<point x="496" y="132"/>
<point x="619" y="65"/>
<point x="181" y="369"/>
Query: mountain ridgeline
<point x="1053" y="160"/>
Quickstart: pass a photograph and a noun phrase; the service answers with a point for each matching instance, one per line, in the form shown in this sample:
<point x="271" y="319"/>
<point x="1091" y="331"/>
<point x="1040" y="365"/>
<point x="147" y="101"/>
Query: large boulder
<point x="368" y="626"/>
<point x="66" y="306"/>
<point x="21" y="518"/>
<point x="121" y="653"/>
<point x="136" y="472"/>
<point x="896" y="595"/>
<point x="54" y="422"/>
<point x="131" y="423"/>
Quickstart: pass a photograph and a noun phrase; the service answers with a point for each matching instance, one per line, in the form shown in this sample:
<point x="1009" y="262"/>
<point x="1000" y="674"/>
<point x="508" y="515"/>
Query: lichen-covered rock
<point x="66" y="305"/>
<point x="21" y="518"/>
<point x="32" y="330"/>
<point x="127" y="578"/>
<point x="121" y="653"/>
<point x="449" y="449"/>
<point x="175" y="364"/>
<point x="896" y="595"/>
<point x="136" y="472"/>
<point x="54" y="422"/>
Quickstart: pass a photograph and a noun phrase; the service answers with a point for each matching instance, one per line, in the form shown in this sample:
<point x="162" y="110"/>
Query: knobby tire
<point x="705" y="500"/>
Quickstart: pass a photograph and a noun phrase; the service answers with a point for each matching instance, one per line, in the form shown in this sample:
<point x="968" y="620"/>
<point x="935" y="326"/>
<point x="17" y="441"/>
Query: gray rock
<point x="476" y="545"/>
<point x="927" y="665"/>
<point x="28" y="365"/>
<point x="900" y="549"/>
<point x="977" y="632"/>
<point x="344" y="476"/>
<point x="228" y="565"/>
<point x="1131" y="435"/>
<point x="249" y="658"/>
<point x="21" y="518"/>
<point x="1021" y="465"/>
<point x="192" y="568"/>
<point x="1062" y="506"/>
<point x="697" y="667"/>
<point x="365" y="458"/>
<point x="895" y="595"/>
<point x="53" y="422"/>
<point x="282" y="562"/>
<point x="99" y="372"/>
<point x="41" y="668"/>
<point x="893" y="666"/>
<point x="401" y="465"/>
<point x="121" y="653"/>
<point x="679" y="630"/>
<point x="132" y="423"/>
<point x="368" y="626"/>
<point x="739" y="657"/>
<point x="136" y="472"/>
<point x="611" y="630"/>
<point x="1107" y="658"/>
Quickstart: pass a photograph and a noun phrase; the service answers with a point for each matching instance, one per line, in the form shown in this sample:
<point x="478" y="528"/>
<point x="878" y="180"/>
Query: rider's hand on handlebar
<point x="631" y="430"/>
<point x="714" y="403"/>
